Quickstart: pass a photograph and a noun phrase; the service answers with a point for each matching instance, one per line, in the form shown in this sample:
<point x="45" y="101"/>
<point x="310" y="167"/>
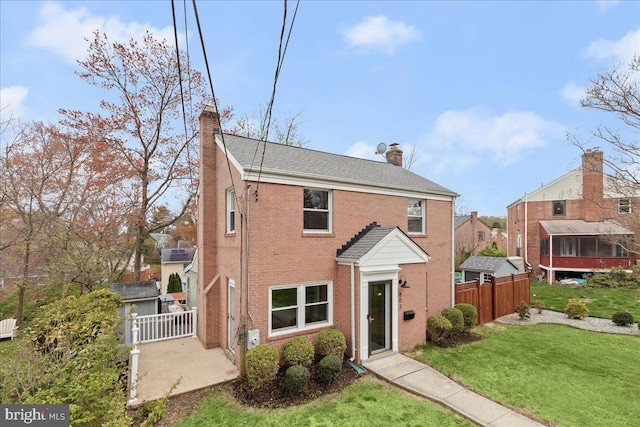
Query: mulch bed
<point x="276" y="395"/>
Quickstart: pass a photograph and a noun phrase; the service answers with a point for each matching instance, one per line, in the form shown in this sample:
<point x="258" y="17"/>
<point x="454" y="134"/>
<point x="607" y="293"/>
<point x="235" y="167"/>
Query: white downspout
<point x="353" y="312"/>
<point x="526" y="223"/>
<point x="550" y="259"/>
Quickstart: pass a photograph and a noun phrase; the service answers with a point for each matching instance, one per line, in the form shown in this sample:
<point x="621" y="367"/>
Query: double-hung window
<point x="415" y="214"/>
<point x="300" y="307"/>
<point x="317" y="210"/>
<point x="231" y="211"/>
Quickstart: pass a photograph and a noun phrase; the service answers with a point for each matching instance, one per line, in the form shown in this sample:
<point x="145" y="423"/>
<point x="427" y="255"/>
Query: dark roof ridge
<point x="357" y="237"/>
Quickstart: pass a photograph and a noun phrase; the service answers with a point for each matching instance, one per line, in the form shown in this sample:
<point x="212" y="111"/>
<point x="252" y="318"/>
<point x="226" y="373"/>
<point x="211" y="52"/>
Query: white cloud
<point x="378" y="32"/>
<point x="573" y="93"/>
<point x="607" y="4"/>
<point x="620" y="50"/>
<point x="12" y="102"/>
<point x="64" y="31"/>
<point x="462" y="139"/>
<point x="363" y="150"/>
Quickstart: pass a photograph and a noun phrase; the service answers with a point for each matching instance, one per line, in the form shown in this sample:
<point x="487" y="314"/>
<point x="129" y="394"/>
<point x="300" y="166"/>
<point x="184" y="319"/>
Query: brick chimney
<point x="593" y="185"/>
<point x="207" y="220"/>
<point x="394" y="155"/>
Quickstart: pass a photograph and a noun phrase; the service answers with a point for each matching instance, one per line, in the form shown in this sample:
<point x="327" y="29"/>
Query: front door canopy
<point x="383" y="246"/>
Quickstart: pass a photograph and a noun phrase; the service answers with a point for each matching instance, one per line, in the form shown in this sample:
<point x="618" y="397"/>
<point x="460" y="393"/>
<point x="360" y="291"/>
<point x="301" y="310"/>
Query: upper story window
<point x="415" y="213"/>
<point x="317" y="210"/>
<point x="481" y="236"/>
<point x="624" y="205"/>
<point x="231" y="211"/>
<point x="559" y="207"/>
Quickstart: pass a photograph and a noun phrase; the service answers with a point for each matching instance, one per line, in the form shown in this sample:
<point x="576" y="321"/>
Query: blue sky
<point x="485" y="91"/>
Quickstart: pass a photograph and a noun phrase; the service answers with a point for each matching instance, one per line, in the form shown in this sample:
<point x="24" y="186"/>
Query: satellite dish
<point x="382" y="147"/>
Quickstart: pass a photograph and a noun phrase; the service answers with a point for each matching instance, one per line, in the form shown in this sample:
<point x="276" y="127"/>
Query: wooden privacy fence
<point x="496" y="298"/>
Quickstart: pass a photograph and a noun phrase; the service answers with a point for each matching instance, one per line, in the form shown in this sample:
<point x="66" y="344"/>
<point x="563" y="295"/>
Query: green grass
<point x="564" y="375"/>
<point x="368" y="402"/>
<point x="605" y="301"/>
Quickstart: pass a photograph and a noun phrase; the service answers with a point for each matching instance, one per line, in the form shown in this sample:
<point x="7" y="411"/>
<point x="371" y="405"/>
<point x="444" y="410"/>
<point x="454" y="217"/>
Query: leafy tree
<point x="492" y="250"/>
<point x="175" y="283"/>
<point x="144" y="125"/>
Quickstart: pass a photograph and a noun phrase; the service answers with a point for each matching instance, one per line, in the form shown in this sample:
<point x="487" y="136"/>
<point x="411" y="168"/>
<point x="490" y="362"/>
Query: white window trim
<point x="231" y="201"/>
<point x="329" y="210"/>
<point x="300" y="309"/>
<point x="422" y="217"/>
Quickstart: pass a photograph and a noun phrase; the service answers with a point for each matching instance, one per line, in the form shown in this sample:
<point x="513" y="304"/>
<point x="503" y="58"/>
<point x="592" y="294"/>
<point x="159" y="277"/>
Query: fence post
<point x="134" y="361"/>
<point x="195" y="322"/>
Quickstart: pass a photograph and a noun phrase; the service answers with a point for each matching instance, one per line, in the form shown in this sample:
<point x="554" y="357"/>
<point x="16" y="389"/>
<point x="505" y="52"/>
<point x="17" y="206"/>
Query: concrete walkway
<point x="423" y="380"/>
<point x="162" y="363"/>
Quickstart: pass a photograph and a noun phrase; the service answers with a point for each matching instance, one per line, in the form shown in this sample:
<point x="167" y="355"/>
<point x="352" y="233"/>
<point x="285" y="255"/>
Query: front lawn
<point x="600" y="302"/>
<point x="368" y="402"/>
<point x="564" y="375"/>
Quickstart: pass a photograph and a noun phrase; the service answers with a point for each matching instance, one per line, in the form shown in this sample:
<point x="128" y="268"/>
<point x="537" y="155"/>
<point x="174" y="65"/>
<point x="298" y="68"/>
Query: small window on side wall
<point x="317" y="210"/>
<point x="415" y="214"/>
<point x="559" y="207"/>
<point x="231" y="211"/>
<point x="624" y="205"/>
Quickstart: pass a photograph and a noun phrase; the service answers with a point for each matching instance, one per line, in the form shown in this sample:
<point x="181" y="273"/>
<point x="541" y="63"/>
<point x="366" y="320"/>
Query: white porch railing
<point x="166" y="326"/>
<point x="157" y="327"/>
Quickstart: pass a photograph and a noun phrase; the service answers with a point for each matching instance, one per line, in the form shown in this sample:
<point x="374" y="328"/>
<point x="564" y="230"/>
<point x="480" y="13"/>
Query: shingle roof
<point x="364" y="242"/>
<point x="184" y="255"/>
<point x="461" y="219"/>
<point x="135" y="290"/>
<point x="291" y="160"/>
<point x="483" y="263"/>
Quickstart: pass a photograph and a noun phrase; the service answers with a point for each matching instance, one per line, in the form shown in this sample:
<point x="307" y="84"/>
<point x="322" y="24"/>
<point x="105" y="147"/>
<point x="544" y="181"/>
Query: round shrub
<point x="469" y="313"/>
<point x="296" y="379"/>
<point x="329" y="368"/>
<point x="298" y="351"/>
<point x="523" y="310"/>
<point x="332" y="341"/>
<point x="262" y="364"/>
<point x="622" y="318"/>
<point x="438" y="327"/>
<point x="576" y="309"/>
<point x="456" y="318"/>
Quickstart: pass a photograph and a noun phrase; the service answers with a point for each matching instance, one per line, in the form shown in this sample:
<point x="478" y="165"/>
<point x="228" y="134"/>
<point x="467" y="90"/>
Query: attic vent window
<point x="559" y="207"/>
<point x="624" y="205"/>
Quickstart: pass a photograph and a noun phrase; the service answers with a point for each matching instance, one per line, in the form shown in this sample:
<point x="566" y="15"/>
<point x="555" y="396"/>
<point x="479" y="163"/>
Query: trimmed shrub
<point x="174" y="284"/>
<point x="540" y="306"/>
<point x="262" y="365"/>
<point x="523" y="310"/>
<point x="438" y="327"/>
<point x="298" y="351"/>
<point x="332" y="341"/>
<point x="616" y="277"/>
<point x="622" y="318"/>
<point x="296" y="379"/>
<point x="456" y="318"/>
<point x="576" y="309"/>
<point x="329" y="368"/>
<point x="469" y="313"/>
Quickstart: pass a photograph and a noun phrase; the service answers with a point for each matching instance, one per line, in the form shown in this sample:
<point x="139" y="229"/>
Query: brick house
<point x="576" y="224"/>
<point x="306" y="240"/>
<point x="472" y="235"/>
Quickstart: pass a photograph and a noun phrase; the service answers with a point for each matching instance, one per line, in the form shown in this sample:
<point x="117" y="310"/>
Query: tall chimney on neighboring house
<point x="593" y="185"/>
<point x="394" y="155"/>
<point x="207" y="220"/>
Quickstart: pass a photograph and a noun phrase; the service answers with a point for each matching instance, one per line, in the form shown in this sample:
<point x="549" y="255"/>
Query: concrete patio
<point x="162" y="363"/>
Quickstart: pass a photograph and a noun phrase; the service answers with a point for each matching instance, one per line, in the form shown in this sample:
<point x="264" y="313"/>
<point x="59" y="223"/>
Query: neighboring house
<point x="191" y="277"/>
<point x="174" y="260"/>
<point x="292" y="241"/>
<point x="472" y="235"/>
<point x="578" y="223"/>
<point x="143" y="295"/>
<point x="483" y="268"/>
